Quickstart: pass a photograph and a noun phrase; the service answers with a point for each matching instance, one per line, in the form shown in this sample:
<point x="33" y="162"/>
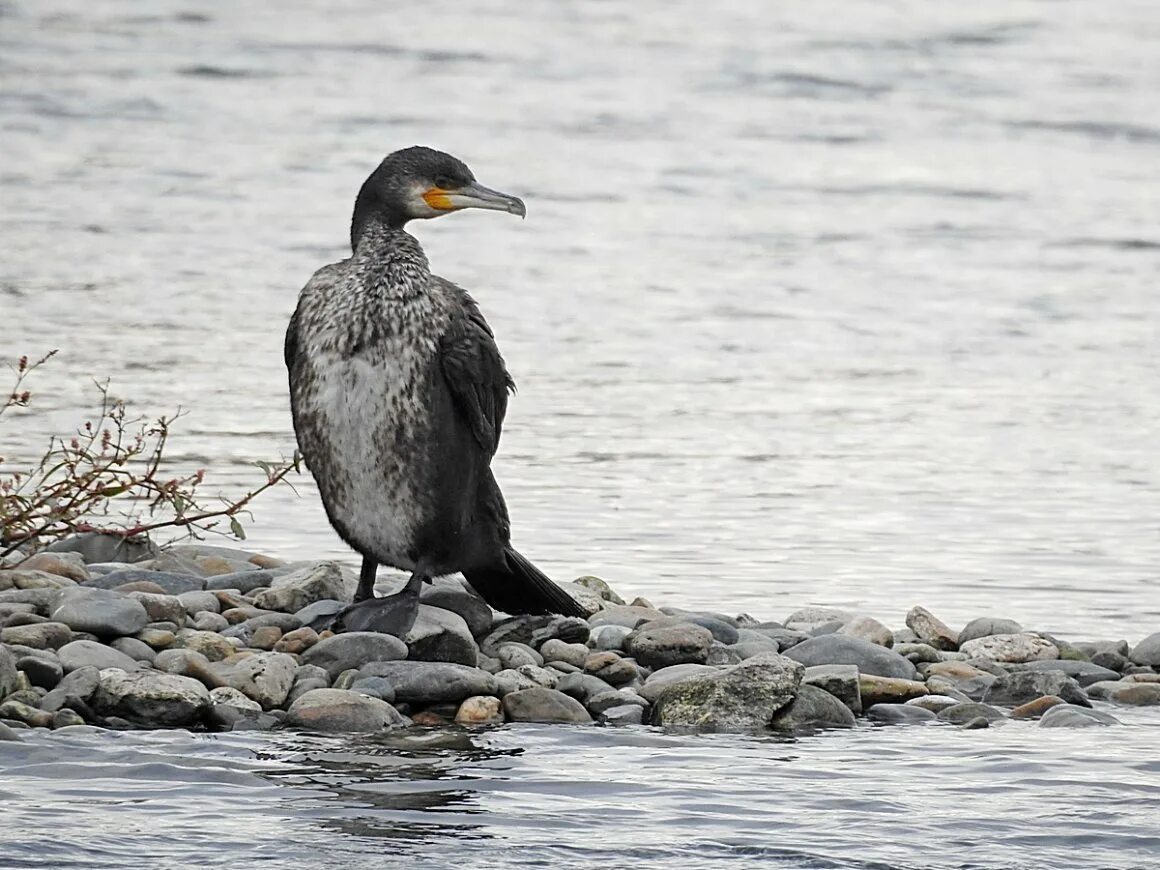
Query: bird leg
<point x="366" y="579"/>
<point x="391" y="614"/>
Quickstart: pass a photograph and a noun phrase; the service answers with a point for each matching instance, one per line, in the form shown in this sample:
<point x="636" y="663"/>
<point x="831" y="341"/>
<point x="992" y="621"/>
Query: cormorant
<point x="398" y="394"/>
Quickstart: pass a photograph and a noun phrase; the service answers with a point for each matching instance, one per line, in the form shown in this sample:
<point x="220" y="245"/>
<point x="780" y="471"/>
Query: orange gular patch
<point x="438" y="199"/>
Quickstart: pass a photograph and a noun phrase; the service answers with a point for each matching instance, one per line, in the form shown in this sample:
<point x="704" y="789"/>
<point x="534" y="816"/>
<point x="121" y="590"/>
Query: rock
<point x="62" y="564"/>
<point x="741" y="697"/>
<point x="935" y="703"/>
<point x="672" y="645"/>
<point x="44" y="671"/>
<point x="1084" y="673"/>
<point x="918" y="653"/>
<point x="26" y="579"/>
<point x="930" y="629"/>
<point x="297" y="641"/>
<point x="611" y="668"/>
<point x="1010" y="648"/>
<point x="610" y="637"/>
<point x="150" y="698"/>
<point x="376" y="687"/>
<point x="539" y="676"/>
<point x="161" y="608"/>
<point x="264" y="677"/>
<point x="813" y="708"/>
<point x="555" y="649"/>
<point x="172" y="584"/>
<point x="899" y="714"/>
<point x="199" y="601"/>
<point x="480" y="710"/>
<point x="441" y="636"/>
<point x="78" y="685"/>
<point x="963" y="714"/>
<point x="134" y="649"/>
<point x="320" y="615"/>
<point x="841" y="681"/>
<point x="1070" y="716"/>
<point x="510" y="680"/>
<point x="293" y="591"/>
<point x="1147" y="651"/>
<point x="81" y="653"/>
<point x="454" y="597"/>
<point x="1035" y="709"/>
<point x="231" y="697"/>
<point x="889" y="690"/>
<point x="9" y="676"/>
<point x="101" y="612"/>
<point x="105" y="547"/>
<point x="1090" y="648"/>
<point x="210" y="644"/>
<point x="661" y="679"/>
<point x="986" y="626"/>
<point x="720" y="654"/>
<point x="243" y="581"/>
<point x="265" y="637"/>
<point x="210" y="621"/>
<point x="43" y="635"/>
<point x="66" y="718"/>
<point x="597" y="704"/>
<point x="625" y="714"/>
<point x="425" y="683"/>
<point x="188" y="663"/>
<point x="625" y="615"/>
<point x="808" y="618"/>
<point x="544" y="705"/>
<point x="354" y="649"/>
<point x="868" y="629"/>
<point x="836" y="649"/>
<point x="26" y="713"/>
<point x="601" y="589"/>
<point x="514" y="655"/>
<point x="342" y="710"/>
<point x="584" y="686"/>
<point x="1019" y="687"/>
<point x="1110" y="661"/>
<point x="156" y="638"/>
<point x="7" y="734"/>
<point x="720" y="626"/>
<point x="1128" y="693"/>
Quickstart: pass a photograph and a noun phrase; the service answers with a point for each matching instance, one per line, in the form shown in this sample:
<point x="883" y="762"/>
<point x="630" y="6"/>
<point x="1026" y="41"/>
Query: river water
<point x="841" y="303"/>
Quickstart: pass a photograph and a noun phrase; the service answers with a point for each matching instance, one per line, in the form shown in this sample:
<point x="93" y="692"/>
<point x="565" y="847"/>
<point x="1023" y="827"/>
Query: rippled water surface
<point x="843" y="303"/>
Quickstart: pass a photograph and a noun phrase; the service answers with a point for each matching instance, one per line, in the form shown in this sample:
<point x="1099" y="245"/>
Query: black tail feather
<point x="521" y="587"/>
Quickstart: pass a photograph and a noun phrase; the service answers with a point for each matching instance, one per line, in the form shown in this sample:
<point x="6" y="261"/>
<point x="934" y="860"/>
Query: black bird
<point x="398" y="393"/>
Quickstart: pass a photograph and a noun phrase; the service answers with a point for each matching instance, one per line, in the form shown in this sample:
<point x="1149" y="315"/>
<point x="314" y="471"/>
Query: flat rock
<point x="440" y="635"/>
<point x="889" y="690"/>
<point x="559" y="651"/>
<point x="625" y="615"/>
<point x="899" y="714"/>
<point x="985" y="626"/>
<point x="1084" y="673"/>
<point x="342" y="710"/>
<point x="930" y="629"/>
<point x="150" y="698"/>
<point x="741" y="697"/>
<point x="43" y="635"/>
<point x="841" y="681"/>
<point x="1023" y="647"/>
<point x="1035" y="709"/>
<point x="104" y="547"/>
<point x="171" y="583"/>
<point x="353" y="649"/>
<point x="809" y="618"/>
<point x="199" y="601"/>
<point x="480" y="710"/>
<point x="1127" y="693"/>
<point x="101" y="612"/>
<point x="683" y="643"/>
<point x="1147" y="651"/>
<point x="82" y="653"/>
<point x="231" y="697"/>
<point x="625" y="714"/>
<point x="544" y="705"/>
<point x="1070" y="716"/>
<point x="43" y="671"/>
<point x="935" y="703"/>
<point x="295" y="590"/>
<point x="264" y="677"/>
<point x="869" y="629"/>
<point x="474" y="611"/>
<point x="134" y="649"/>
<point x="836" y="649"/>
<point x="210" y="644"/>
<point x="962" y="714"/>
<point x="812" y="708"/>
<point x="662" y="678"/>
<point x="161" y="608"/>
<point x="244" y="581"/>
<point x="1019" y="687"/>
<point x="425" y="683"/>
<point x="62" y="564"/>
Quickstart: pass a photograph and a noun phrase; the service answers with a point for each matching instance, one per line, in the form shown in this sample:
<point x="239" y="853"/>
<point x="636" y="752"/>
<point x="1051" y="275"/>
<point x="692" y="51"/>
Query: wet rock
<point x="930" y="629"/>
<point x="81" y="653"/>
<point x="1084" y="673"/>
<point x="841" y="681"/>
<point x="342" y="710"/>
<point x="836" y="649"/>
<point x="62" y="564"/>
<point x="597" y="704"/>
<point x="66" y="718"/>
<point x="426" y="683"/>
<point x="812" y="708"/>
<point x="150" y="698"/>
<point x="661" y="679"/>
<point x="936" y="703"/>
<point x="480" y="710"/>
<point x="134" y="649"/>
<point x="1035" y="709"/>
<point x="231" y="697"/>
<point x="583" y="686"/>
<point x="78" y="685"/>
<point x="557" y="650"/>
<point x="868" y="629"/>
<point x="161" y="608"/>
<point x="7" y="734"/>
<point x="353" y="649"/>
<point x="625" y="714"/>
<point x="1110" y="661"/>
<point x="1019" y="687"/>
<point x="104" y="613"/>
<point x="441" y="636"/>
<point x="610" y="637"/>
<point x="1070" y="716"/>
<point x="611" y="668"/>
<point x="741" y="697"/>
<point x="44" y="671"/>
<point x="44" y="635"/>
<point x="1147" y="651"/>
<point x="889" y="690"/>
<point x="210" y="644"/>
<point x="454" y="597"/>
<point x="243" y="581"/>
<point x="265" y="677"/>
<point x="376" y="687"/>
<point x="26" y="713"/>
<point x="1011" y="648"/>
<point x="962" y="714"/>
<point x="1127" y="693"/>
<point x="671" y="645"/>
<point x="544" y="705"/>
<point x="899" y="714"/>
<point x="295" y="590"/>
<point x="170" y="583"/>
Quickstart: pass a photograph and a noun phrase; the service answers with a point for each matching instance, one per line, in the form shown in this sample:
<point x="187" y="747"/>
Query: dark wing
<point x="321" y="283"/>
<point x="474" y="370"/>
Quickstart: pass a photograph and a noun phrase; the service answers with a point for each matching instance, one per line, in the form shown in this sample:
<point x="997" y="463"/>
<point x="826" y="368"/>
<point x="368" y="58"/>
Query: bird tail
<point x="518" y="586"/>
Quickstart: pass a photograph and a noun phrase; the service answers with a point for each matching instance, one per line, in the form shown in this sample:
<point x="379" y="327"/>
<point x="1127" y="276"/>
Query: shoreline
<point x="219" y="638"/>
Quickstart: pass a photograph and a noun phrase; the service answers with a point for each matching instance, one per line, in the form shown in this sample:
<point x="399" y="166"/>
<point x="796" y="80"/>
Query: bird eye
<point x="446" y="182"/>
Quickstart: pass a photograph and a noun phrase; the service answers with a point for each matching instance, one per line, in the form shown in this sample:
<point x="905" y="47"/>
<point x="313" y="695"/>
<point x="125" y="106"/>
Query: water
<point x="835" y="303"/>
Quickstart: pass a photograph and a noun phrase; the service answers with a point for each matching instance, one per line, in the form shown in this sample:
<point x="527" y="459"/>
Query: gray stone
<point x="454" y="597"/>
<point x="510" y="680"/>
<point x="742" y="697"/>
<point x="264" y="677"/>
<point x="18" y="711"/>
<point x="105" y="547"/>
<point x="1070" y="716"/>
<point x="869" y="629"/>
<point x="985" y="626"/>
<point x="930" y="629"/>
<point x="670" y="645"/>
<point x="1015" y="648"/>
<point x="812" y="708"/>
<point x="353" y="649"/>
<point x="720" y="654"/>
<point x="1084" y="673"/>
<point x="584" y="686"/>
<point x="1110" y="661"/>
<point x="188" y="663"/>
<point x="78" y="685"/>
<point x="134" y="649"/>
<point x="612" y="668"/>
<point x="513" y="655"/>
<point x="81" y="653"/>
<point x="150" y="698"/>
<point x="161" y="608"/>
<point x="937" y="703"/>
<point x="544" y="705"/>
<point x="44" y="671"/>
<point x="556" y="650"/>
<point x="602" y="590"/>
<point x="1019" y="687"/>
<point x="841" y="681"/>
<point x="210" y="644"/>
<point x="425" y="683"/>
<point x="889" y="690"/>
<point x="597" y="704"/>
<point x="440" y="635"/>
<point x="961" y="714"/>
<point x="244" y="581"/>
<point x="1090" y="648"/>
<point x="198" y="601"/>
<point x="343" y="710"/>
<point x="720" y="626"/>
<point x="480" y="710"/>
<point x="41" y="599"/>
<point x="1127" y="693"/>
<point x="610" y="637"/>
<point x="43" y="635"/>
<point x="377" y="687"/>
<point x="539" y="676"/>
<point x="209" y="621"/>
<point x="662" y="678"/>
<point x="104" y="613"/>
<point x="231" y="697"/>
<point x="899" y="714"/>
<point x="625" y="714"/>
<point x="918" y="653"/>
<point x="808" y="618"/>
<point x="173" y="584"/>
<point x="1147" y="651"/>
<point x="7" y="734"/>
<point x="295" y="590"/>
<point x="625" y="615"/>
<point x="836" y="649"/>
<point x="320" y="615"/>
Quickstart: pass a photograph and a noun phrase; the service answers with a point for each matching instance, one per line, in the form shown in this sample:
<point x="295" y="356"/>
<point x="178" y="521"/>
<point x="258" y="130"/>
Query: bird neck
<point x="370" y="209"/>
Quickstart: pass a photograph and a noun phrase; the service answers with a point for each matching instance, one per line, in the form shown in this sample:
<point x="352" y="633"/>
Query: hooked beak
<point x="474" y="195"/>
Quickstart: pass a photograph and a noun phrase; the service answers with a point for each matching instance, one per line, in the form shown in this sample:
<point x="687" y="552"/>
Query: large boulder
<point x="425" y="683"/>
<point x="353" y="649"/>
<point x="742" y="697"/>
<point x="342" y="710"/>
<point x="150" y="698"/>
<point x="101" y="612"/>
<point x="683" y="643"/>
<point x="264" y="677"/>
<point x="544" y="705"/>
<point x="440" y="635"/>
<point x="1023" y="647"/>
<point x="1147" y="651"/>
<point x="837" y="649"/>
<point x="812" y="708"/>
<point x="1019" y="687"/>
<point x="85" y="653"/>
